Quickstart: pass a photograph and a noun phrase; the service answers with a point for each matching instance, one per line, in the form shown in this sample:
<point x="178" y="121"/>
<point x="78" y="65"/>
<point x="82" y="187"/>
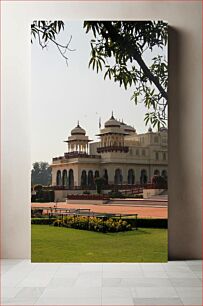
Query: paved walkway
<point x="147" y="211"/>
<point x="173" y="283"/>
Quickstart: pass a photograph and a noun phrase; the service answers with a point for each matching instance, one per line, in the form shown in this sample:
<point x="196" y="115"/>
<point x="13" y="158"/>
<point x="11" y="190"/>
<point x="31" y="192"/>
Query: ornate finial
<point x="78" y="124"/>
<point x="112" y="117"/>
<point x="122" y="120"/>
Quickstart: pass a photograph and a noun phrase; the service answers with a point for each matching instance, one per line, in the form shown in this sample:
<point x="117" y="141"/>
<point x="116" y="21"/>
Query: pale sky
<point x="63" y="95"/>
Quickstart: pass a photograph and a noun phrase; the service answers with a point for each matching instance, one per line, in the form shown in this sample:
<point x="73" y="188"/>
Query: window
<point x="164" y="155"/>
<point x="143" y="152"/>
<point x="156" y="139"/>
<point x="156" y="155"/>
<point x="137" y="152"/>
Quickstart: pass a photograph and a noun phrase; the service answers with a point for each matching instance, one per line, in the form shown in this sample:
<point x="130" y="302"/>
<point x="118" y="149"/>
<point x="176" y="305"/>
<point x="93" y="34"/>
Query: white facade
<point x="121" y="156"/>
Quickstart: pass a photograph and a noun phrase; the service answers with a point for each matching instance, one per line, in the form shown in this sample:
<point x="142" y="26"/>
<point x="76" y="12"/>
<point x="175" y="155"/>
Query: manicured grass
<point x="58" y="244"/>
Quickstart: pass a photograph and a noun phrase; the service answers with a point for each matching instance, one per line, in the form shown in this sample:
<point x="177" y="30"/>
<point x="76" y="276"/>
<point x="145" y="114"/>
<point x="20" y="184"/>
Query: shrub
<point x="86" y="192"/>
<point x="159" y="181"/>
<point x="116" y="194"/>
<point x="44" y="196"/>
<point x="37" y="187"/>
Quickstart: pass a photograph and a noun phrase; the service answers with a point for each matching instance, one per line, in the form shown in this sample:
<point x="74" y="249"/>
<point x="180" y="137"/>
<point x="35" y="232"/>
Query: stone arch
<point x="96" y="174"/>
<point x="71" y="178"/>
<point x="90" y="178"/>
<point x="156" y="172"/>
<point x="65" y="178"/>
<point x="131" y="177"/>
<point x="84" y="178"/>
<point x="118" y="177"/>
<point x="58" y="178"/>
<point x="143" y="177"/>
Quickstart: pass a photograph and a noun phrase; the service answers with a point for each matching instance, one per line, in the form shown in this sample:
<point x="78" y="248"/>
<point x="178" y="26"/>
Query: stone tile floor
<point x="172" y="283"/>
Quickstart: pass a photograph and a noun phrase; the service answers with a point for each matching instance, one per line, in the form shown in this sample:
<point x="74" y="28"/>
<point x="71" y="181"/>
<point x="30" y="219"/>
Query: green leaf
<point x="90" y="62"/>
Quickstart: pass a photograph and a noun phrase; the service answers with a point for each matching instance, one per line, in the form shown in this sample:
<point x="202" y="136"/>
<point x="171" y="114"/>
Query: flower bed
<point x="93" y="224"/>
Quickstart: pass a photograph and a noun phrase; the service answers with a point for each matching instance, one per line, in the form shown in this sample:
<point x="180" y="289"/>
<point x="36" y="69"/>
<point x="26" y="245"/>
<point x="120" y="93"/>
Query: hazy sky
<point x="63" y="95"/>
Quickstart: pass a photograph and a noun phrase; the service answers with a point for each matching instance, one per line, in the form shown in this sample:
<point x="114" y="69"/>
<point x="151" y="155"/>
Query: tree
<point x="119" y="47"/>
<point x="99" y="182"/>
<point x="41" y="173"/>
<point x="46" y="31"/>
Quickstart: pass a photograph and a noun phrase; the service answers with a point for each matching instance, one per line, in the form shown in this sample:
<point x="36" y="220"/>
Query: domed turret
<point x="112" y="122"/>
<point x="78" y="130"/>
<point x="78" y="141"/>
<point x="129" y="129"/>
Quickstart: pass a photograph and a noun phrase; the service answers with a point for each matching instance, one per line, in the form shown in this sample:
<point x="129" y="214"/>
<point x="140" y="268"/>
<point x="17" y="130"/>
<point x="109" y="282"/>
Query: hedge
<point x="43" y="221"/>
<point x="83" y="224"/>
<point x="43" y="196"/>
<point x="124" y="196"/>
<point x="147" y="222"/>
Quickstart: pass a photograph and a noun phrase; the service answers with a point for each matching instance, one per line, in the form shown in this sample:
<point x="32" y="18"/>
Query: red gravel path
<point x="153" y="212"/>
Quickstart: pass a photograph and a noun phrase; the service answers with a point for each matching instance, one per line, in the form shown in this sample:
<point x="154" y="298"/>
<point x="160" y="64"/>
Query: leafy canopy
<point x="118" y="48"/>
<point x="41" y="173"/>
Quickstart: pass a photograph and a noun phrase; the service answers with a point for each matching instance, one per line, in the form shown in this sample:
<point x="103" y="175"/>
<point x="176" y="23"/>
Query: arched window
<point x="118" y="178"/>
<point x="105" y="176"/>
<point x="143" y="177"/>
<point x="71" y="178"/>
<point x="156" y="172"/>
<point x="90" y="178"/>
<point x="58" y="178"/>
<point x="84" y="179"/>
<point x="64" y="178"/>
<point x="131" y="177"/>
<point x="96" y="174"/>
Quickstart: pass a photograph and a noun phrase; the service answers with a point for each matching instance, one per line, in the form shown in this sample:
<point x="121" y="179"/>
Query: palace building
<point x="121" y="157"/>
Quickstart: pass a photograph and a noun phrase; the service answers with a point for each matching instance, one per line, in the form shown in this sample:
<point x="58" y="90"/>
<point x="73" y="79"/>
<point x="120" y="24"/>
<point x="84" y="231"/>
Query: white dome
<point x="78" y="130"/>
<point x="112" y="122"/>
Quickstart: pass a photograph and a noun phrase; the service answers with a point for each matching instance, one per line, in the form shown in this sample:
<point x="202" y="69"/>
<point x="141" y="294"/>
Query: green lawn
<point x="58" y="244"/>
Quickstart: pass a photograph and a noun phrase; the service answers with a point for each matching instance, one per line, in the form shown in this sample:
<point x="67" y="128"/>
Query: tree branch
<point x="125" y="44"/>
